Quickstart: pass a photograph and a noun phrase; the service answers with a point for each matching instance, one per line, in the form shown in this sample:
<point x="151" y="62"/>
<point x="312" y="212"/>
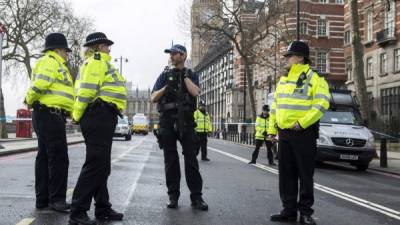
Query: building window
<point x="389" y="19"/>
<point x="390" y="100"/>
<point x="322" y="27"/>
<point x="369" y="67"/>
<point x="347" y="37"/>
<point x="397" y="59"/>
<point x="322" y="62"/>
<point x="369" y="25"/>
<point x="349" y="69"/>
<point x="303" y="28"/>
<point x="323" y="1"/>
<point x="339" y="1"/>
<point x="383" y="63"/>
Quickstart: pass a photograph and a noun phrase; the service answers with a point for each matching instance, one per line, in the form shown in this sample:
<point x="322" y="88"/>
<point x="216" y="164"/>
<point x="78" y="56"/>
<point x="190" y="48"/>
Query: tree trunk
<point x="3" y="122"/>
<point x="28" y="67"/>
<point x="250" y="88"/>
<point x="358" y="63"/>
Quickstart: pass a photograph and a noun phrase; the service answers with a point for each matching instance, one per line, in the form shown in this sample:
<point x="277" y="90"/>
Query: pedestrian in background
<point x="262" y="137"/>
<point x="203" y="128"/>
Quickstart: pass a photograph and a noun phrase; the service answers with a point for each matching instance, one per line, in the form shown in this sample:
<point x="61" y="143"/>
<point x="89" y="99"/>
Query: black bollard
<point x="383" y="156"/>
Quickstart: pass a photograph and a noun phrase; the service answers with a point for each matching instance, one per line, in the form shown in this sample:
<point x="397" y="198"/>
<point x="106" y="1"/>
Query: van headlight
<point x="370" y="142"/>
<point x="323" y="140"/>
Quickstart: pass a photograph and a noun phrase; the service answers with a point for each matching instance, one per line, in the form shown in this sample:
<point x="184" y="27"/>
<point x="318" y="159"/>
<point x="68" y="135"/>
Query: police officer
<point x="261" y="136"/>
<point x="101" y="96"/>
<point x="203" y="128"/>
<point x="51" y="96"/>
<point x="301" y="98"/>
<point x="175" y="92"/>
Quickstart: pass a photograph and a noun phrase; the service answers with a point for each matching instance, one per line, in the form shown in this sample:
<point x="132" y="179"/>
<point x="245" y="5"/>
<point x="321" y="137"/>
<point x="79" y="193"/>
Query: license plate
<point x="349" y="157"/>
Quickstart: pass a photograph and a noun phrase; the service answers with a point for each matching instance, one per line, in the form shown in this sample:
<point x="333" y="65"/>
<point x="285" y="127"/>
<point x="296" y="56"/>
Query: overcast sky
<point x="141" y="30"/>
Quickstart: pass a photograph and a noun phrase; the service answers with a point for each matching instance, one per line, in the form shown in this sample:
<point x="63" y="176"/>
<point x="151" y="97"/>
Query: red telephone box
<point x="24" y="123"/>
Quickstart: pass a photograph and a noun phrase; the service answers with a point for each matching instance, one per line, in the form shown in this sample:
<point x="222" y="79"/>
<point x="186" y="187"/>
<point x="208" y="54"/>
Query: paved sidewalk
<point x="393" y="163"/>
<point x="26" y="145"/>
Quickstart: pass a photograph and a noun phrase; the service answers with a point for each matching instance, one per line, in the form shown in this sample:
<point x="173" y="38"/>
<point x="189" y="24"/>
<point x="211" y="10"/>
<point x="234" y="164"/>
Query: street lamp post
<point x="2" y="30"/>
<point x="3" y="129"/>
<point x="121" y="60"/>
<point x="298" y="19"/>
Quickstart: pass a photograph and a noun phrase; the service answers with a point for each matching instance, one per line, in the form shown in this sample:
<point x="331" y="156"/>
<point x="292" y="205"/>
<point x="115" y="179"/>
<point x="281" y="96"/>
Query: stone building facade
<point x="380" y="34"/>
<point x="138" y="101"/>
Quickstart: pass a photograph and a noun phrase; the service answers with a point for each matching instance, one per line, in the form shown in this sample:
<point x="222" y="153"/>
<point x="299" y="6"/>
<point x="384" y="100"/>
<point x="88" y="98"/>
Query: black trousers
<point x="202" y="145"/>
<point x="169" y="138"/>
<point x="297" y="152"/>
<point x="259" y="143"/>
<point x="51" y="166"/>
<point x="98" y="126"/>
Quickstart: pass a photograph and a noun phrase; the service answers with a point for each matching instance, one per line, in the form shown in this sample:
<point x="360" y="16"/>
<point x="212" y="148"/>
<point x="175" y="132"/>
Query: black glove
<point x="169" y="90"/>
<point x="265" y="133"/>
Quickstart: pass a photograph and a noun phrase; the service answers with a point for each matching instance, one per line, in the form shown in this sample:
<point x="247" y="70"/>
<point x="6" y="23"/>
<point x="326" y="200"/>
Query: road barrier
<point x="238" y="137"/>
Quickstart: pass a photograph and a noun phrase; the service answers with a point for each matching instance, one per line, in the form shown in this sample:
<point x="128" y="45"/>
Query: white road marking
<point x="347" y="197"/>
<point x="26" y="221"/>
<point x="128" y="151"/>
<point x="138" y="174"/>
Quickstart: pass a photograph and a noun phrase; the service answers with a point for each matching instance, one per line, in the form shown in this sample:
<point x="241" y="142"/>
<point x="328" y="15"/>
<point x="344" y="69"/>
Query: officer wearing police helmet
<point x="301" y="98"/>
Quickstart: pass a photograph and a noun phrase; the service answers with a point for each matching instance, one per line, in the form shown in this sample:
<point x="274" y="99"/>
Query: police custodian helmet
<point x="299" y="48"/>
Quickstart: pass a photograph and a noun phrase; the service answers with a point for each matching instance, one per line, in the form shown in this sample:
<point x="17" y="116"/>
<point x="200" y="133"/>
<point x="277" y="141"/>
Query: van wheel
<point x="362" y="167"/>
<point x="128" y="137"/>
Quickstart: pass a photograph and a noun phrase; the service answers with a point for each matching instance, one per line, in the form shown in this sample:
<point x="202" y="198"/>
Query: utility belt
<point x="313" y="130"/>
<point x="62" y="113"/>
<point x="99" y="103"/>
<point x="167" y="106"/>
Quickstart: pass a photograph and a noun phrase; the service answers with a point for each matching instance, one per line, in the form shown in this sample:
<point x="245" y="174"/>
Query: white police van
<point x="343" y="136"/>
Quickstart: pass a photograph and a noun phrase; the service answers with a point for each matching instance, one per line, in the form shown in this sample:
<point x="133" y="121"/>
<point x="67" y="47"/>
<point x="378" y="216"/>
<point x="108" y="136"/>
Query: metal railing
<point x="385" y="34"/>
<point x="247" y="138"/>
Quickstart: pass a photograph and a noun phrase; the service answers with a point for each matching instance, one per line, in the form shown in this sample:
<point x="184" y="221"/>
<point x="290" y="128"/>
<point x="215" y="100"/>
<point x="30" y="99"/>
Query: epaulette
<point x="97" y="56"/>
<point x="166" y="70"/>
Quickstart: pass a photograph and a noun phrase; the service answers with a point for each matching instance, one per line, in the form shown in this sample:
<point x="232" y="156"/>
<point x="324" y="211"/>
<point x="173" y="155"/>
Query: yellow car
<point x="140" y="124"/>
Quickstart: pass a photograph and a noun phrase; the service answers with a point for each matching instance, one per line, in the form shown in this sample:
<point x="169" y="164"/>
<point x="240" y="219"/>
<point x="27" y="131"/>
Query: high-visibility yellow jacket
<point x="98" y="79"/>
<point x="305" y="104"/>
<point x="51" y="83"/>
<point x="261" y="127"/>
<point x="203" y="122"/>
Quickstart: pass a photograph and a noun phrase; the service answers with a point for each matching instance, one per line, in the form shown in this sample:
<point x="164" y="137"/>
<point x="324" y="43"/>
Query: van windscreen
<point x="341" y="117"/>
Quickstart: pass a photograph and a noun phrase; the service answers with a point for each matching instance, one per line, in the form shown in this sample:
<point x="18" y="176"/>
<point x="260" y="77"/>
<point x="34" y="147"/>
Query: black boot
<point x="173" y="203"/>
<point x="81" y="219"/>
<point x="199" y="204"/>
<point x="307" y="220"/>
<point x="284" y="217"/>
<point x="60" y="206"/>
<point x="252" y="162"/>
<point x="108" y="214"/>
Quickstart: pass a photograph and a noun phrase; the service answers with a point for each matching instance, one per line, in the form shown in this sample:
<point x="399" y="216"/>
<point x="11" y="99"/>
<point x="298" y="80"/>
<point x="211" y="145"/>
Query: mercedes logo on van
<point x="349" y="142"/>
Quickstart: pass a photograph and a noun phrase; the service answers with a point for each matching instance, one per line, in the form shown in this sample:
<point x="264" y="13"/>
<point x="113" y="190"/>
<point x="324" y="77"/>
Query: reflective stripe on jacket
<point x="99" y="79"/>
<point x="203" y="122"/>
<point x="304" y="104"/>
<point x="51" y="83"/>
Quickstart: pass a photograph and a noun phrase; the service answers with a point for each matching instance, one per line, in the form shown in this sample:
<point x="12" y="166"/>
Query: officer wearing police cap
<point x="301" y="98"/>
<point x="101" y="97"/>
<point x="51" y="96"/>
<point x="175" y="92"/>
